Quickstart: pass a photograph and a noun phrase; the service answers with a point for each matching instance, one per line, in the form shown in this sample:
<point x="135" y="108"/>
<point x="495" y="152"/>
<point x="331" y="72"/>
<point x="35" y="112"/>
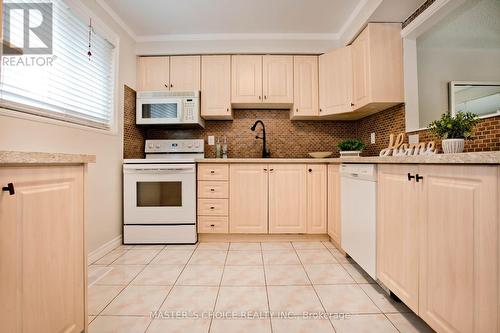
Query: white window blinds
<point x="66" y="84"/>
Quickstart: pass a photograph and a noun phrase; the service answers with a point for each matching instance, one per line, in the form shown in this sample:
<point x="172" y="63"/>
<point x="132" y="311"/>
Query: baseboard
<point x="103" y="249"/>
<point x="261" y="237"/>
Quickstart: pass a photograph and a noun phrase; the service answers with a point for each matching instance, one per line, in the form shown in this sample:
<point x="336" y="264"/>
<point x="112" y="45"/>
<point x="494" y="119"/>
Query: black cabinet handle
<point x="212" y="171"/>
<point x="9" y="188"/>
<point x="410" y="177"/>
<point x="212" y="225"/>
<point x="212" y="207"/>
<point x="310" y="170"/>
<point x="418" y="178"/>
<point x="212" y="190"/>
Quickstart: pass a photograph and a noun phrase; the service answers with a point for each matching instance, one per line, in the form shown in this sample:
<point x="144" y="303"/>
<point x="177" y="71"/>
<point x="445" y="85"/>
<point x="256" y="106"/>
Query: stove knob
<point x="157" y="146"/>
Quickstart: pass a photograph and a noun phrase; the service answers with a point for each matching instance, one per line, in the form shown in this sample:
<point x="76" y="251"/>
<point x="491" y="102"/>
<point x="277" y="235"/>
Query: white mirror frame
<point x="451" y="99"/>
<point x="423" y="22"/>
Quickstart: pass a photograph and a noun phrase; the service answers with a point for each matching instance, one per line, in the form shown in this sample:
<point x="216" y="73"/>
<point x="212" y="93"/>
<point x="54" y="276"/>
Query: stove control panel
<point x="174" y="146"/>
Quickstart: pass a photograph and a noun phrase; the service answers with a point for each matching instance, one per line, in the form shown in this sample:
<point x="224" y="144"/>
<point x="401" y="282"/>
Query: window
<point x="66" y="83"/>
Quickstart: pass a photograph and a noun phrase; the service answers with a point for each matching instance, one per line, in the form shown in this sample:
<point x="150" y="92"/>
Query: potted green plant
<point x="350" y="147"/>
<point x="454" y="130"/>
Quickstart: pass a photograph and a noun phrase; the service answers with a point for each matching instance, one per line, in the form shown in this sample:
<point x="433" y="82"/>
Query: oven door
<point x="159" y="111"/>
<point x="159" y="193"/>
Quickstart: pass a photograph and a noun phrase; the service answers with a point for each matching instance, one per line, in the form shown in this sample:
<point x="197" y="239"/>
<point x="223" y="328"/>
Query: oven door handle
<point x="162" y="169"/>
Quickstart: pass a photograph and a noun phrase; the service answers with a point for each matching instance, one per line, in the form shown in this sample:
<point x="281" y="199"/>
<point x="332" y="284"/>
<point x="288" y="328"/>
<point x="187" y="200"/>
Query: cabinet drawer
<point x="213" y="172"/>
<point x="213" y="224"/>
<point x="213" y="189"/>
<point x="213" y="207"/>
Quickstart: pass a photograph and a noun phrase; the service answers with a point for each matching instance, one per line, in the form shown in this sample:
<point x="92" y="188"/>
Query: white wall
<point x="104" y="182"/>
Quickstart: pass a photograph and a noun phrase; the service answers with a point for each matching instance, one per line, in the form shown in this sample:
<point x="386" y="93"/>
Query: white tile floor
<point x="239" y="287"/>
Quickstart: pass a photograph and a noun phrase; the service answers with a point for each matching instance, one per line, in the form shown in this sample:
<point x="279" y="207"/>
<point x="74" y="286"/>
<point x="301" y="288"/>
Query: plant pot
<point x="453" y="146"/>
<point x="350" y="153"/>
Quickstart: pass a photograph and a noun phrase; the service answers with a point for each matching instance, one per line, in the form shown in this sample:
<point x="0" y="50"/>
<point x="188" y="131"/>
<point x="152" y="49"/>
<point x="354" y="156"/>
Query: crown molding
<point x="238" y="36"/>
<point x="357" y="20"/>
<point x="117" y="19"/>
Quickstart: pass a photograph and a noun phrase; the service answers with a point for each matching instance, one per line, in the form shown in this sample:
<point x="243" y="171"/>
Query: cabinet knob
<point x="227" y="109"/>
<point x="166" y="85"/>
<point x="212" y="225"/>
<point x="320" y="110"/>
<point x="296" y="110"/>
<point x="265" y="97"/>
<point x="352" y="104"/>
<point x="265" y="169"/>
<point x="212" y="171"/>
<point x="410" y="177"/>
<point x="212" y="207"/>
<point x="9" y="188"/>
<point x="310" y="170"/>
<point x="418" y="178"/>
<point x="260" y="97"/>
<point x="212" y="190"/>
<point x="271" y="170"/>
<point x="171" y="85"/>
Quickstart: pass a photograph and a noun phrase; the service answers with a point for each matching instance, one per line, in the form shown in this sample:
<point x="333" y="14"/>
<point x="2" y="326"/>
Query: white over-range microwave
<point x="181" y="108"/>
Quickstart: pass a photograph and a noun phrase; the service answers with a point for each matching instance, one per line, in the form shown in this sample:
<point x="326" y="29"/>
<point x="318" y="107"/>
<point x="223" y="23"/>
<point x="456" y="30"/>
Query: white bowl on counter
<point x="321" y="154"/>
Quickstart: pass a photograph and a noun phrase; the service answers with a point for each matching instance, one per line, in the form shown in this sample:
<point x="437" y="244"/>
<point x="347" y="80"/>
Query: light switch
<point x="372" y="138"/>
<point x="211" y="140"/>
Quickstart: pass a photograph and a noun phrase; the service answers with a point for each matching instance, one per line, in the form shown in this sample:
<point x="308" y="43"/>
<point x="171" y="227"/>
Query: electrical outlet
<point x="372" y="138"/>
<point x="211" y="140"/>
<point x="413" y="138"/>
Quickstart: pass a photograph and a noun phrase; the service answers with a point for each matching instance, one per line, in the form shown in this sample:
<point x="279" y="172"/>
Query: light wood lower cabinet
<point x="42" y="257"/>
<point x="333" y="205"/>
<point x="316" y="199"/>
<point x="287" y="198"/>
<point x="443" y="232"/>
<point x="398" y="232"/>
<point x="248" y="198"/>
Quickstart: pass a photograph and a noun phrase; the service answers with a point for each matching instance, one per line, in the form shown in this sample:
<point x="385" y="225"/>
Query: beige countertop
<point x="492" y="157"/>
<point x="20" y="157"/>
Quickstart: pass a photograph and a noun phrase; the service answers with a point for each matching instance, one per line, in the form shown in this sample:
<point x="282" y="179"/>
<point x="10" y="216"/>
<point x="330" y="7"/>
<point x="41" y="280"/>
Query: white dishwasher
<point x="358" y="214"/>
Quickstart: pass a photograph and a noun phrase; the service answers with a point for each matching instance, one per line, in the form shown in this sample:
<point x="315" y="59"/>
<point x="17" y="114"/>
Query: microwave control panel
<point x="189" y="109"/>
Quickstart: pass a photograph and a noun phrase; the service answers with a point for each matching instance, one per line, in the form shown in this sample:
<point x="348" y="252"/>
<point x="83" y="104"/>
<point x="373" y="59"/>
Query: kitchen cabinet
<point x="277" y="79"/>
<point x="305" y="87"/>
<point x="216" y="87"/>
<point x="246" y="79"/>
<point x="333" y="204"/>
<point x="287" y="198"/>
<point x="213" y="198"/>
<point x="377" y="68"/>
<point x="248" y="198"/>
<point x="335" y="77"/>
<point x="185" y="73"/>
<point x="317" y="188"/>
<point x="442" y="229"/>
<point x="398" y="232"/>
<point x="176" y="73"/>
<point x="153" y="73"/>
<point x="42" y="250"/>
<point x="459" y="248"/>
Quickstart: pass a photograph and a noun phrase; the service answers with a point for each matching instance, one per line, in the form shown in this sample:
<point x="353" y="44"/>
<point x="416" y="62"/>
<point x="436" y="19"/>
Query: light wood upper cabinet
<point x="43" y="268"/>
<point x="277" y="77"/>
<point x="377" y="66"/>
<point x="246" y="79"/>
<point x="459" y="283"/>
<point x="398" y="232"/>
<point x="335" y="77"/>
<point x="287" y="198"/>
<point x="216" y="87"/>
<point x="248" y="198"/>
<point x="316" y="198"/>
<point x="305" y="87"/>
<point x="153" y="73"/>
<point x="334" y="226"/>
<point x="185" y="73"/>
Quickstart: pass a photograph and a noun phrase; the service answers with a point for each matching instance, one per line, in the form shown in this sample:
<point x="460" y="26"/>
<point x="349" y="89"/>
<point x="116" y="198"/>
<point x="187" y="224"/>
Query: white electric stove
<point x="159" y="193"/>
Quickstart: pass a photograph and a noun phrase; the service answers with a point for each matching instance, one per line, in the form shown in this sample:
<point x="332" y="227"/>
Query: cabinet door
<point x="335" y="75"/>
<point x="216" y="87"/>
<point x="248" y="198"/>
<point x="278" y="79"/>
<point x="316" y="198"/>
<point x="287" y="198"/>
<point x="42" y="270"/>
<point x="185" y="73"/>
<point x="361" y="69"/>
<point x="305" y="86"/>
<point x="397" y="232"/>
<point x="459" y="248"/>
<point x="334" y="203"/>
<point x="246" y="83"/>
<point x="153" y="73"/>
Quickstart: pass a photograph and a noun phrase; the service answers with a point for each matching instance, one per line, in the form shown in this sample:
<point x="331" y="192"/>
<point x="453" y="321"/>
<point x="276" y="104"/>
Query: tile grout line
<point x="173" y="285"/>
<point x="266" y="286"/>
<point x="218" y="290"/>
<point x="315" y="291"/>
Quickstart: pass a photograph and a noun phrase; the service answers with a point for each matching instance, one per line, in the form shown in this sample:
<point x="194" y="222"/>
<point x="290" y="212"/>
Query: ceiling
<point x="313" y="19"/>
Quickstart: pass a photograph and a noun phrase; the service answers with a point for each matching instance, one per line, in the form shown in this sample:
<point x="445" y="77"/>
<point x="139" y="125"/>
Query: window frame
<point x="19" y="110"/>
